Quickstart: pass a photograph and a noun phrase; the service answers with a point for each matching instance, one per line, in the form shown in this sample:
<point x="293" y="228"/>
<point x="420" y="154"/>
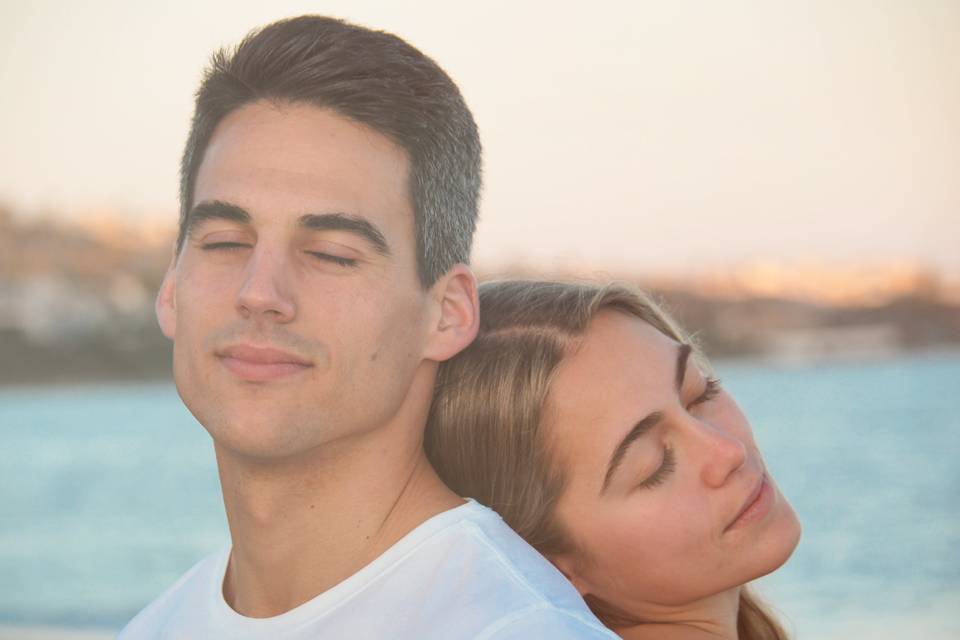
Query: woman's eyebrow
<point x="638" y="430"/>
<point x="683" y="357"/>
<point x="643" y="426"/>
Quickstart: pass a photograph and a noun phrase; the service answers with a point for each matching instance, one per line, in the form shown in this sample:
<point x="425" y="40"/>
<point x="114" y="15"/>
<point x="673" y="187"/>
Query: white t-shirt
<point x="461" y="574"/>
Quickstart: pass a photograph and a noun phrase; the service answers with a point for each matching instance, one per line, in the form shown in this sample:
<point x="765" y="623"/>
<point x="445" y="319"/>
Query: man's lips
<point x="756" y="504"/>
<point x="260" y="364"/>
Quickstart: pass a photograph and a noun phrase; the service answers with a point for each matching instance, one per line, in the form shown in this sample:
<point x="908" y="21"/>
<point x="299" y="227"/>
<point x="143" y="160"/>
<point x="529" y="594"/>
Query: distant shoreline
<point x="950" y="350"/>
<point x="125" y="381"/>
<point x="766" y="359"/>
<point x="28" y="632"/>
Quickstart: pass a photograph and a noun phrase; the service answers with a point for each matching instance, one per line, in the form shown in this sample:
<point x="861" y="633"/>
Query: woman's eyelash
<point x="709" y="393"/>
<point x="666" y="468"/>
<point x="669" y="463"/>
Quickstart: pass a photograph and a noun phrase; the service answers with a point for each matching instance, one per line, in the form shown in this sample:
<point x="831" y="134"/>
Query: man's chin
<point x="254" y="440"/>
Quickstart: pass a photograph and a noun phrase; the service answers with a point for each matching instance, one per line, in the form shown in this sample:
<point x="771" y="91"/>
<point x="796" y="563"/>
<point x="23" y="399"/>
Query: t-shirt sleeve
<point x="547" y="622"/>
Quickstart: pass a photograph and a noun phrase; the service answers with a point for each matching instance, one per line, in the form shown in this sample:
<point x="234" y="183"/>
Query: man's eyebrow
<point x="216" y="210"/>
<point x="642" y="427"/>
<point x="345" y="222"/>
<point x="219" y="210"/>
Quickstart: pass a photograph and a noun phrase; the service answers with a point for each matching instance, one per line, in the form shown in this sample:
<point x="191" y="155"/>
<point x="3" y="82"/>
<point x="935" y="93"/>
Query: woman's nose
<point x="724" y="454"/>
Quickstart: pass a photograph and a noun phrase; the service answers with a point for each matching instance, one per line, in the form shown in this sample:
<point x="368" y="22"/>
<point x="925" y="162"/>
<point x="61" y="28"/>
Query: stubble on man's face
<point x="349" y="314"/>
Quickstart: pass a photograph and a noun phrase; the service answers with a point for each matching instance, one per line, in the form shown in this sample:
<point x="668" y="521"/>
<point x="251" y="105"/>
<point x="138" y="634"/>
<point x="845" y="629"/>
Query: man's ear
<point x="166" y="304"/>
<point x="458" y="314"/>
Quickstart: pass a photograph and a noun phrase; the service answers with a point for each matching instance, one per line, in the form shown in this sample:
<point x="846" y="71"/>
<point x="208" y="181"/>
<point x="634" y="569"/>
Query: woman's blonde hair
<point x="485" y="433"/>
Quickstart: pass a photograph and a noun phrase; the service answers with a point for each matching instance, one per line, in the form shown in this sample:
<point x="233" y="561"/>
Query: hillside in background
<point x="76" y="305"/>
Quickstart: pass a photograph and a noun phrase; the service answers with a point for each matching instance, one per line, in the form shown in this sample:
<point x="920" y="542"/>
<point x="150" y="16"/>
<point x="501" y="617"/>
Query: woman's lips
<point x="261" y="364"/>
<point x="755" y="507"/>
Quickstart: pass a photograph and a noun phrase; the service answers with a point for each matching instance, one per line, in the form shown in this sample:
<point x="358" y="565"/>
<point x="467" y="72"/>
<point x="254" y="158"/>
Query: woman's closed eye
<point x="667" y="466"/>
<point x="669" y="462"/>
<point x="710" y="391"/>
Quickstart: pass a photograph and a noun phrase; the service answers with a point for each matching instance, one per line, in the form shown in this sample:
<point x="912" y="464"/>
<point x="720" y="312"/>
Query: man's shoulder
<point x="461" y="574"/>
<point x="483" y="537"/>
<point x="546" y="622"/>
<point x="486" y="574"/>
<point x="181" y="599"/>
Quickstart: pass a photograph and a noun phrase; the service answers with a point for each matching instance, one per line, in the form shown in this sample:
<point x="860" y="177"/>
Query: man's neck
<point x="301" y="527"/>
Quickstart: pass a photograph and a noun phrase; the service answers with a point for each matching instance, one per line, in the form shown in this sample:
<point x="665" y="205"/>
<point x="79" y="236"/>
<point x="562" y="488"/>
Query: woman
<point x="589" y="421"/>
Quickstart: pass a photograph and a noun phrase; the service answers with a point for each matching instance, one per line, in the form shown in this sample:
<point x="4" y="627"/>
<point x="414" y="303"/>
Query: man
<point x="328" y="199"/>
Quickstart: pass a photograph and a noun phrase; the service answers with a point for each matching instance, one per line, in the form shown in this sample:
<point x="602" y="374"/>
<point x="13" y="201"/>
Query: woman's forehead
<point x="622" y="370"/>
<point x="617" y="345"/>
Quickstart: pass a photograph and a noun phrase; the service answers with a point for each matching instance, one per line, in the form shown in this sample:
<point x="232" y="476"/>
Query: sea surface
<point x="108" y="493"/>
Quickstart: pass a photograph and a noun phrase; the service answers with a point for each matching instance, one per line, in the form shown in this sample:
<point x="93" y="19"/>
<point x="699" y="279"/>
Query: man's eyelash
<point x="213" y="246"/>
<point x="228" y="246"/>
<point x="343" y="262"/>
<point x="666" y="468"/>
<point x="709" y="393"/>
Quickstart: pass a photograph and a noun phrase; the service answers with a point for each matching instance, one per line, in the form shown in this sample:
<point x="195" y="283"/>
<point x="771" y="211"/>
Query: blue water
<point x="869" y="455"/>
<point x="108" y="493"/>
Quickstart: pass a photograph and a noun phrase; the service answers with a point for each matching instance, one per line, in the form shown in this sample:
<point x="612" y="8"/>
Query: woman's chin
<point x="779" y="541"/>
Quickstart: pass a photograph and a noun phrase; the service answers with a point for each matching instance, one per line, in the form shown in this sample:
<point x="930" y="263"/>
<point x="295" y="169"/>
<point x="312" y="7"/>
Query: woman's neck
<point x="712" y="618"/>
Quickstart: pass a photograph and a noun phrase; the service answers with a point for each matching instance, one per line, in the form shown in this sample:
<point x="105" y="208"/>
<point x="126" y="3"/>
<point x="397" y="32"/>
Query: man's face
<point x="294" y="306"/>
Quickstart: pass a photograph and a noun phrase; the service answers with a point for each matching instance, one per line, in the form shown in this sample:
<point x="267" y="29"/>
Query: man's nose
<point x="724" y="454"/>
<point x="266" y="288"/>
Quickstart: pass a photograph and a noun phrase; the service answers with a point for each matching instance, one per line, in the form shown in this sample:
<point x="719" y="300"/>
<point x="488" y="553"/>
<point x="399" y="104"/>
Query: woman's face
<point x="667" y="499"/>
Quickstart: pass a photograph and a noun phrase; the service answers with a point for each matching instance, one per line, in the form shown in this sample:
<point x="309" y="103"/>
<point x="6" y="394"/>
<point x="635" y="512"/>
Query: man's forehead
<point x="302" y="137"/>
<point x="303" y="160"/>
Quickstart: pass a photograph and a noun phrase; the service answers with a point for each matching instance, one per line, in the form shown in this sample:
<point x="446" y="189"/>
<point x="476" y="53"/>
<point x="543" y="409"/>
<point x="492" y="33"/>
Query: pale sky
<point x="648" y="135"/>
